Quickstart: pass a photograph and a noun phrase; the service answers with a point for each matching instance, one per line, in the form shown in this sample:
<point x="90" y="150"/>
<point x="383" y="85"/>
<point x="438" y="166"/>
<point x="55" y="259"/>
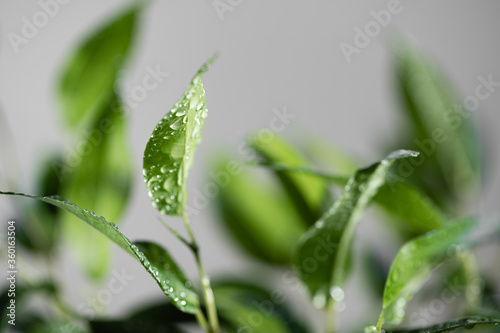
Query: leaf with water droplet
<point x="170" y="277"/>
<point x="90" y="74"/>
<point x="167" y="279"/>
<point x="172" y="146"/>
<point x="412" y="265"/>
<point x="330" y="237"/>
<point x="467" y="323"/>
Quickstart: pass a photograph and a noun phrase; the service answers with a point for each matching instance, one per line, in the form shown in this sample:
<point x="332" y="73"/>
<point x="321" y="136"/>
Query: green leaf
<point x="413" y="209"/>
<point x="156" y="318"/>
<point x="250" y="308"/>
<point x="308" y="193"/>
<point x="416" y="212"/>
<point x="322" y="252"/>
<point x="170" y="151"/>
<point x="58" y="327"/>
<point x="442" y="132"/>
<point x="167" y="277"/>
<point x="99" y="179"/>
<point x="467" y="323"/>
<point x="412" y="265"/>
<point x="89" y="77"/>
<point x="170" y="276"/>
<point x="259" y="216"/>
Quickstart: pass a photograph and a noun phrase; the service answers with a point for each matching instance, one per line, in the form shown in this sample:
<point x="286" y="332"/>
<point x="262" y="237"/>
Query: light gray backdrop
<point x="274" y="54"/>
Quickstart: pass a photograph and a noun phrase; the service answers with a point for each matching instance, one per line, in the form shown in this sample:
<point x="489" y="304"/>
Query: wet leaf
<point x="170" y="150"/>
<point x="184" y="298"/>
<point x="89" y="76"/>
<point x="467" y="323"/>
<point x="412" y="266"/>
<point x="322" y="252"/>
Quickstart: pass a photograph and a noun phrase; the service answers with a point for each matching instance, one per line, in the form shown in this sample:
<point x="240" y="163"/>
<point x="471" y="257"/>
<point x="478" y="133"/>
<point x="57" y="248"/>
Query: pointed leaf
<point x="184" y="298"/>
<point x="89" y="76"/>
<point x="442" y="126"/>
<point x="322" y="252"/>
<point x="412" y="265"/>
<point x="170" y="151"/>
<point x="100" y="180"/>
<point x="467" y="323"/>
<point x="307" y="192"/>
<point x="260" y="217"/>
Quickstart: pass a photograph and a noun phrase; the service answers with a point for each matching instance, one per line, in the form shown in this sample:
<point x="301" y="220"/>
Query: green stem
<point x="330" y="317"/>
<point x="205" y="282"/>
<point x="473" y="281"/>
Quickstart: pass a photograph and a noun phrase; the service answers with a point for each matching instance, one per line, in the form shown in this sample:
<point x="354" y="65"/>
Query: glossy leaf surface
<point x="467" y="323"/>
<point x="158" y="264"/>
<point x="170" y="150"/>
<point x="322" y="252"/>
<point x="412" y="266"/>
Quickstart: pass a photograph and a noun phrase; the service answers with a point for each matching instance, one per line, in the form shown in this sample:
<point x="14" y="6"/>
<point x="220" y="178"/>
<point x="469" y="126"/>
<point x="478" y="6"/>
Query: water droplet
<point x="370" y="329"/>
<point x="176" y="124"/>
<point x="180" y="113"/>
<point x="337" y="293"/>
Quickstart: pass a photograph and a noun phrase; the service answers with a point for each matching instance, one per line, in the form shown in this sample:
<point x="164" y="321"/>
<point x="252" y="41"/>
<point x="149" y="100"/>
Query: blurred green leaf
<point x="307" y="192"/>
<point x="442" y="128"/>
<point x="155" y="318"/>
<point x="98" y="177"/>
<point x="170" y="150"/>
<point x="38" y="228"/>
<point x="250" y="308"/>
<point x="467" y="323"/>
<point x="412" y="265"/>
<point x="322" y="252"/>
<point x="58" y="327"/>
<point x="414" y="210"/>
<point x="156" y="265"/>
<point x="261" y="218"/>
<point x="90" y="74"/>
<point x="18" y="294"/>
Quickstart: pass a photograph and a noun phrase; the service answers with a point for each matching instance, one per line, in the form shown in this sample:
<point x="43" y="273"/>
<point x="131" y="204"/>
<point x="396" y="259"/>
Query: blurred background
<point x="279" y="55"/>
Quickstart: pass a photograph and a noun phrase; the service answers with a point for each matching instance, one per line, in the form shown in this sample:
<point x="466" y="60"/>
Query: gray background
<point x="273" y="54"/>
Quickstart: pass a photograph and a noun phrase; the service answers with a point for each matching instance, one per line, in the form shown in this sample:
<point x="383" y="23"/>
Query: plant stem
<point x="330" y="317"/>
<point x="205" y="282"/>
<point x="473" y="281"/>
